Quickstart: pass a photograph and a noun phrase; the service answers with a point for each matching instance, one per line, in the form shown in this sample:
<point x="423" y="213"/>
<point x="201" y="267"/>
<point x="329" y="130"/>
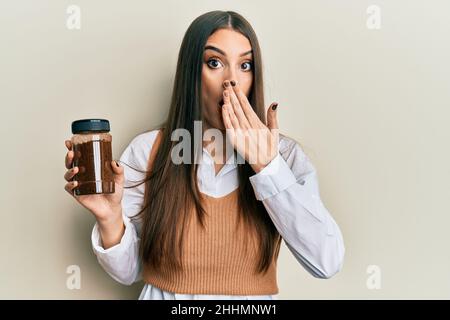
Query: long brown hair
<point x="171" y="190"/>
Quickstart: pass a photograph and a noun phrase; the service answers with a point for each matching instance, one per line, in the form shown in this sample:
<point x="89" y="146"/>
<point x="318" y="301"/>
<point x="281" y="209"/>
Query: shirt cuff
<point x="119" y="248"/>
<point x="274" y="178"/>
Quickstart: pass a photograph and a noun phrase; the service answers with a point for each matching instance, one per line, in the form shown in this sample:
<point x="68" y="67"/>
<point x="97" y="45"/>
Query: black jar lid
<point x="90" y="125"/>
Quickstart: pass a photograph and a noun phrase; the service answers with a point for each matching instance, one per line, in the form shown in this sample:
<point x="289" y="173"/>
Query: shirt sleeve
<point x="288" y="187"/>
<point x="122" y="261"/>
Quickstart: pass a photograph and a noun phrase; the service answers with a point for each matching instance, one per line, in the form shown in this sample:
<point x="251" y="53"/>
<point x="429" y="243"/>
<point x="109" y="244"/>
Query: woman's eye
<point x="249" y="64"/>
<point x="213" y="63"/>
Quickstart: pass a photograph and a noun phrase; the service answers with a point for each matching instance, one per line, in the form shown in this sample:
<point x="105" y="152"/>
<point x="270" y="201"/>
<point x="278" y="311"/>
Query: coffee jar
<point x="91" y="144"/>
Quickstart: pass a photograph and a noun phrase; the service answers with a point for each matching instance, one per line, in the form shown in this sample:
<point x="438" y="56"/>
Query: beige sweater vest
<point x="216" y="259"/>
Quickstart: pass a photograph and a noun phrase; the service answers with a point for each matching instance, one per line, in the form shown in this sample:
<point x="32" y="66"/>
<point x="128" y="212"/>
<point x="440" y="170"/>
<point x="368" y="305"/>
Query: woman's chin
<point x="219" y="126"/>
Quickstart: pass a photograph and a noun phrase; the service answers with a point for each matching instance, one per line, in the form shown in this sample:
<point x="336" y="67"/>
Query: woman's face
<point x="227" y="56"/>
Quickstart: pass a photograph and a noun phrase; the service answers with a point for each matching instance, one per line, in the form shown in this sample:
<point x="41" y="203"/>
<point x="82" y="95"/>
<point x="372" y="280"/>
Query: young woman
<point x="213" y="228"/>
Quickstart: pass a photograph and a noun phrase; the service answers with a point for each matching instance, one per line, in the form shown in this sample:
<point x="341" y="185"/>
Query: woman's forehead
<point x="230" y="42"/>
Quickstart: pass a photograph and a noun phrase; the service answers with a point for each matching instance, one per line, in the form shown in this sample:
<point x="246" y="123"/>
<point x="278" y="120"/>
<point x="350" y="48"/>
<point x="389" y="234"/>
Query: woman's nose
<point x="230" y="75"/>
<point x="229" y="79"/>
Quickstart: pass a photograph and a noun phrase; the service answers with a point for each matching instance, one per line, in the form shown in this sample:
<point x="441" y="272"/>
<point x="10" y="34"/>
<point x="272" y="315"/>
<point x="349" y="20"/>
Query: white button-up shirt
<point x="287" y="186"/>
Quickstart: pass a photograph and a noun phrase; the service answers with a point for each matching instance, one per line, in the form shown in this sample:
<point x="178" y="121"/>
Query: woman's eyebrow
<point x="209" y="47"/>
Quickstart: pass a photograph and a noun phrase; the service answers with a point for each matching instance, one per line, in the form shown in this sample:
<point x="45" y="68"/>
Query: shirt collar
<point x="229" y="165"/>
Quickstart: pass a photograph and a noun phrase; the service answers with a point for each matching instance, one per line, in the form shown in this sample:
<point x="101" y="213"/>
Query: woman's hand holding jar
<point x="105" y="206"/>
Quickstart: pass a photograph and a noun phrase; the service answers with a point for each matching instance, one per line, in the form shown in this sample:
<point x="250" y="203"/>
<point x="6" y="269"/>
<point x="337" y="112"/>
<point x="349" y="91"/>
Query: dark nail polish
<point x="233" y="83"/>
<point x="226" y="83"/>
<point x="274" y="107"/>
<point x="116" y="163"/>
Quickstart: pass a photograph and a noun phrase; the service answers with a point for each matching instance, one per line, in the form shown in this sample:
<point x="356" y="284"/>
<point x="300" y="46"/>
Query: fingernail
<point x="274" y="107"/>
<point x="226" y="83"/>
<point x="233" y="83"/>
<point x="116" y="163"/>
